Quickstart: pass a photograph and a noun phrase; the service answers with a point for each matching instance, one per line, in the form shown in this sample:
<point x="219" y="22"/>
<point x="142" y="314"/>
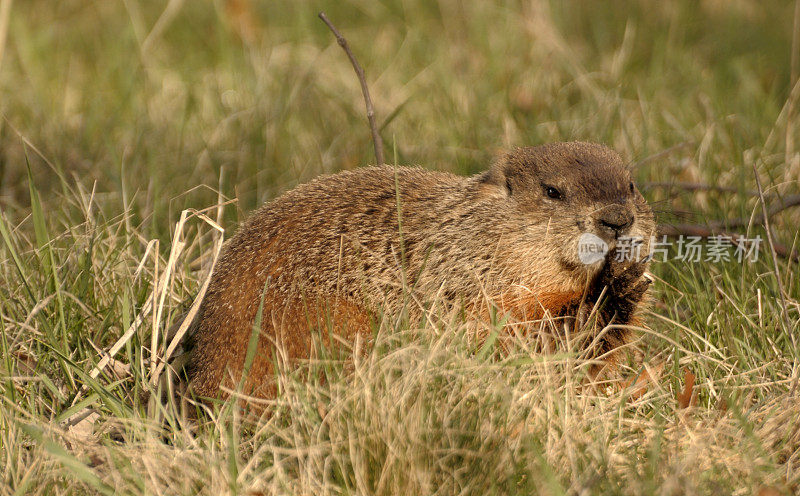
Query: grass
<point x="119" y="116"/>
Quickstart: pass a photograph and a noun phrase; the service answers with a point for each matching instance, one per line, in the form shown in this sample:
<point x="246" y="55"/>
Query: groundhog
<point x="333" y="254"/>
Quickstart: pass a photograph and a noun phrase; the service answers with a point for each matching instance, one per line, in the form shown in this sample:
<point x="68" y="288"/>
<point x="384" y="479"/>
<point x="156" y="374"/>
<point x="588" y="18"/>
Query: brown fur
<point x="333" y="252"/>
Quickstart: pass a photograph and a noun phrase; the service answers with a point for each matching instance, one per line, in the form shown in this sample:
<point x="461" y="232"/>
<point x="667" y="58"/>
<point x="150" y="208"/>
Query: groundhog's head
<point x="583" y="193"/>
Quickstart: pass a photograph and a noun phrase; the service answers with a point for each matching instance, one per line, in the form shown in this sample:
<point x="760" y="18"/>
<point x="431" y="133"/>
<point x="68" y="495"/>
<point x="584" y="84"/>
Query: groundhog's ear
<point x="497" y="175"/>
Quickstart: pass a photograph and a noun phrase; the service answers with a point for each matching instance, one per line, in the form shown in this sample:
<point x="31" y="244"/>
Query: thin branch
<point x="696" y="187"/>
<point x="376" y="137"/>
<point x="706" y="232"/>
<point x="788" y="202"/>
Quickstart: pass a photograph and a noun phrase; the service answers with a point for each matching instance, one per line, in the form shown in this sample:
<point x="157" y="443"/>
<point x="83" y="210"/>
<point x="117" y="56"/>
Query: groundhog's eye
<point x="552" y="192"/>
<point x="631" y="186"/>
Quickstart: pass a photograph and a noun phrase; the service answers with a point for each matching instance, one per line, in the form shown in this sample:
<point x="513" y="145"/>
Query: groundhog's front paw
<point x="622" y="277"/>
<point x="624" y="284"/>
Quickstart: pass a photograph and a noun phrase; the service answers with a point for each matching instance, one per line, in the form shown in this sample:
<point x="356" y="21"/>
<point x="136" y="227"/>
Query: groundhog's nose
<point x="616" y="219"/>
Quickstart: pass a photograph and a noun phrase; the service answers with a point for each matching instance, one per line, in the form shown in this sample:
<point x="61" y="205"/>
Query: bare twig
<point x="376" y="137"/>
<point x="695" y="187"/>
<point x="785" y="313"/>
<point x="717" y="227"/>
<point x="788" y="202"/>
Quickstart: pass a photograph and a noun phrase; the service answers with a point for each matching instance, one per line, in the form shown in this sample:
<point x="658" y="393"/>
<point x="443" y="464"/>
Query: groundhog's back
<point x="317" y="255"/>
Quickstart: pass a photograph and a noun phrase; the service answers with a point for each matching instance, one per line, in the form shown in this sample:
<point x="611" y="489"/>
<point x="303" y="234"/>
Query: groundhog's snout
<point x="615" y="220"/>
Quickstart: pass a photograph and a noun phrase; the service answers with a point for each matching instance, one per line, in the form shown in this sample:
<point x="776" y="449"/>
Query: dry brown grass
<point x="128" y="141"/>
